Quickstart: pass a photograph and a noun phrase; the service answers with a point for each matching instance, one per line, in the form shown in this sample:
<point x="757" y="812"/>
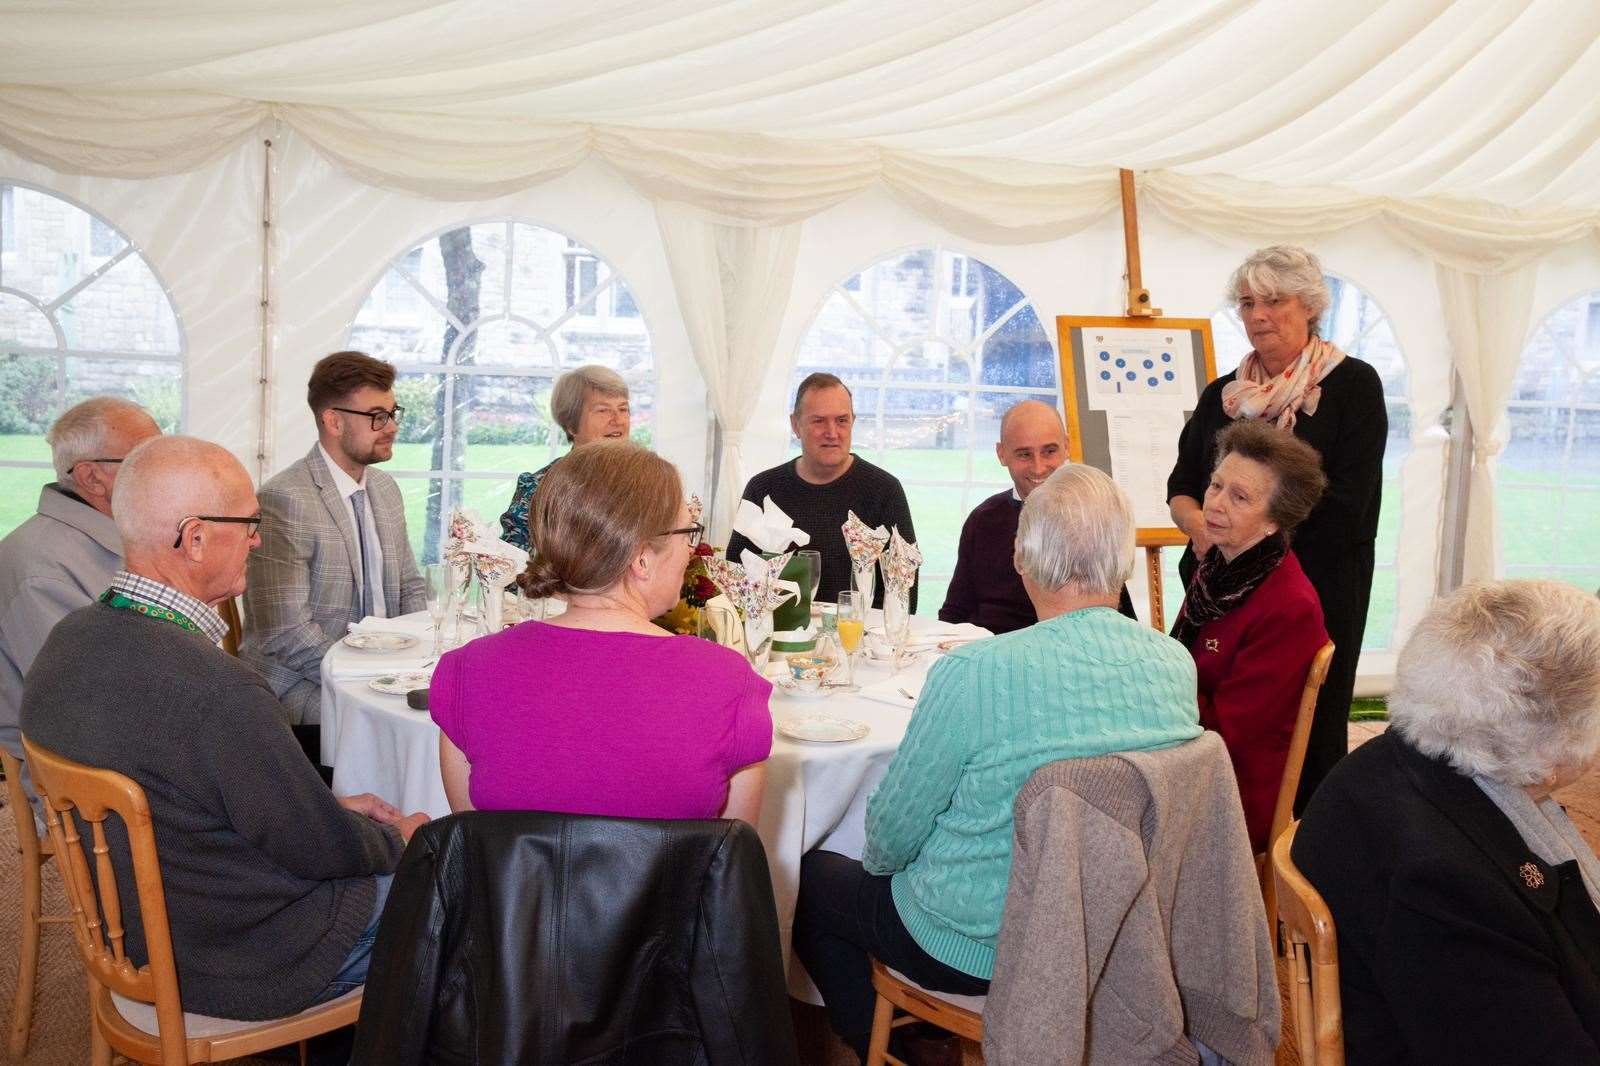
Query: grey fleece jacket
<point x="268" y="880"/>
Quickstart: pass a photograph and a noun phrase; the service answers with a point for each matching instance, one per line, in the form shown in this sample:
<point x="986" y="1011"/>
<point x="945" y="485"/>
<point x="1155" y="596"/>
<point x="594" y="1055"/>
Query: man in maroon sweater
<point x="985" y="588"/>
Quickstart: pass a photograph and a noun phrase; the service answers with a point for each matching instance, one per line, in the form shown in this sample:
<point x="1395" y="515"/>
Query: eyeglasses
<point x="380" y="417"/>
<point x="97" y="461"/>
<point x="695" y="532"/>
<point x="251" y="524"/>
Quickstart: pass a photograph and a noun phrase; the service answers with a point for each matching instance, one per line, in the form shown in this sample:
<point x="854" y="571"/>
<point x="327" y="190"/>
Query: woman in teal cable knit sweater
<point x="926" y="898"/>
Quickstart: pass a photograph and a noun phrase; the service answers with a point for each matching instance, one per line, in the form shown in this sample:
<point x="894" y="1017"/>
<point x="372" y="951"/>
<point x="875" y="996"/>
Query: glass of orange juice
<point x="852" y="625"/>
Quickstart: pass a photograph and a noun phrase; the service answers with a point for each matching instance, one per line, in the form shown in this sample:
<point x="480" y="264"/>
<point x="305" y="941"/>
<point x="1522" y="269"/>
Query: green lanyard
<point x="113" y="598"/>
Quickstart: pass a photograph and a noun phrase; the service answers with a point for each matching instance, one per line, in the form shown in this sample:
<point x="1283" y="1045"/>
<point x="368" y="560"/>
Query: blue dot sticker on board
<point x="1121" y="363"/>
<point x="1105" y="355"/>
<point x="1132" y="376"/>
<point x="1170" y="376"/>
<point x="1105" y="375"/>
<point x="1149" y="364"/>
<point x="1153" y="383"/>
<point x="1166" y="357"/>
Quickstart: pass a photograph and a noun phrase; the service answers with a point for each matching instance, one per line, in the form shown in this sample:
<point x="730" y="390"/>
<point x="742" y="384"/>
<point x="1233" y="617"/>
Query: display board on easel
<point x="1128" y="386"/>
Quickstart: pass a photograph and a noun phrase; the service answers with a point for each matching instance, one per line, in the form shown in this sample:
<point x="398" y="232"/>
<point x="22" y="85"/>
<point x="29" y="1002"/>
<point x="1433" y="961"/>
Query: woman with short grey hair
<point x="1294" y="379"/>
<point x="1463" y="895"/>
<point x="589" y="403"/>
<point x="927" y="895"/>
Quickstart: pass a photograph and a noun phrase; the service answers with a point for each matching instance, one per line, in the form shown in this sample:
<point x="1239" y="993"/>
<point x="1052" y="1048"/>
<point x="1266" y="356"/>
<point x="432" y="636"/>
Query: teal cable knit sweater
<point x="1081" y="684"/>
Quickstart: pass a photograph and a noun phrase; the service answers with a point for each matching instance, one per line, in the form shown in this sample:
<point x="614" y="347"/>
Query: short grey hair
<point x="83" y="430"/>
<point x="1076" y="530"/>
<point x="1502" y="679"/>
<point x="572" y="389"/>
<point x="1284" y="270"/>
<point x="165" y="480"/>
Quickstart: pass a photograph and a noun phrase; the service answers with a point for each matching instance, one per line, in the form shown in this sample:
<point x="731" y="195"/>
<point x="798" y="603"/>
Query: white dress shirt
<point x="369" y="525"/>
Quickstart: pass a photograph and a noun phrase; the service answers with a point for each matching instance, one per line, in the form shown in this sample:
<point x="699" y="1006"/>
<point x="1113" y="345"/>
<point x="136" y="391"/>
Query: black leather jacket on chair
<point x="526" y="937"/>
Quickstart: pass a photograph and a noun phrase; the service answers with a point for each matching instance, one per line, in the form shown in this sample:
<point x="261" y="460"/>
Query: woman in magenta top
<point x="1250" y="617"/>
<point x="598" y="711"/>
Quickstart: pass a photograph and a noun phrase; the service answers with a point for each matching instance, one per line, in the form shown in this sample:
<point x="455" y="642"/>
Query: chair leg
<point x="302" y="1053"/>
<point x="27" y="960"/>
<point x="878" y="1046"/>
<point x="99" y="1050"/>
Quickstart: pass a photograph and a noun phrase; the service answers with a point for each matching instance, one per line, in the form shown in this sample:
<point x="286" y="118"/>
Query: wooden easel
<point x="1151" y="540"/>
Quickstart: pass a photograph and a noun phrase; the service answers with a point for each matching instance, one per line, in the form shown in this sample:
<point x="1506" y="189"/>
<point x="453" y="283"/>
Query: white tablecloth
<point x="816" y="794"/>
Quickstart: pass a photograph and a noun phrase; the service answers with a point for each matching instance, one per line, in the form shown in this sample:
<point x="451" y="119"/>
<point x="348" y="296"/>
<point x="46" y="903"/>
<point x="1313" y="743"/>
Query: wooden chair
<point x="1289" y="787"/>
<point x="136" y="1010"/>
<point x="35" y="853"/>
<point x="962" y="1015"/>
<point x="229" y="610"/>
<point x="1309" y="953"/>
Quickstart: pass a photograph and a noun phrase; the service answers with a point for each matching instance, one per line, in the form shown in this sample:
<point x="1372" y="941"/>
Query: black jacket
<point x="526" y="937"/>
<point x="1456" y="943"/>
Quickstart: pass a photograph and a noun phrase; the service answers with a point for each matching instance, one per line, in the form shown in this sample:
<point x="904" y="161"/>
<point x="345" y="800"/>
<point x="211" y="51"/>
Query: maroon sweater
<point x="1252" y="664"/>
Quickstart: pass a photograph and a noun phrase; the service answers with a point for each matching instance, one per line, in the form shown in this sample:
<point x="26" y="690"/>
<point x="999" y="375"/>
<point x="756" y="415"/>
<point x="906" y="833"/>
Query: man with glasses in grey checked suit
<point x="333" y="538"/>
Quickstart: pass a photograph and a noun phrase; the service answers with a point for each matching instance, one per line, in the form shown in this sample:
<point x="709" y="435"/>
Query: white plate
<point x="381" y="641"/>
<point x="822" y="729"/>
<point x="400" y="684"/>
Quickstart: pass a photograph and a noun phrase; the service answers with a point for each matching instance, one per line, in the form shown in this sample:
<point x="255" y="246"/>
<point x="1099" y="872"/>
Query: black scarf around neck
<point x="1219" y="586"/>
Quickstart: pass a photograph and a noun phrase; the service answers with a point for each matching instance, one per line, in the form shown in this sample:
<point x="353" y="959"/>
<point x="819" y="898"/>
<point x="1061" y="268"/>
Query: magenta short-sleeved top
<point x="583" y="722"/>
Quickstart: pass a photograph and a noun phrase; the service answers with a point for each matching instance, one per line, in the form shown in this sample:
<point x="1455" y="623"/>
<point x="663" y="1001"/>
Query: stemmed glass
<point x="813" y="560"/>
<point x="441" y="585"/>
<point x="852" y="624"/>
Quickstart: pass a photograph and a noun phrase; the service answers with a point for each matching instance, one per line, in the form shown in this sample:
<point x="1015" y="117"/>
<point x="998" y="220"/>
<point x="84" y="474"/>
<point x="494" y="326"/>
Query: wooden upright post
<point x="1138" y="295"/>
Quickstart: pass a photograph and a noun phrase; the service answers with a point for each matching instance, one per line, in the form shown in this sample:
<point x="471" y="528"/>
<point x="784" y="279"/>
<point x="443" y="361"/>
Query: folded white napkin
<point x="767" y="527"/>
<point x="889" y="690"/>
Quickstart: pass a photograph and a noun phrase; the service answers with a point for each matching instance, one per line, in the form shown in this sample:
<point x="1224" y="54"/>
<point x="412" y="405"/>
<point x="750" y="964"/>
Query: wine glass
<point x="828" y="631"/>
<point x="813" y="560"/>
<point x="852" y="624"/>
<point x="441" y="583"/>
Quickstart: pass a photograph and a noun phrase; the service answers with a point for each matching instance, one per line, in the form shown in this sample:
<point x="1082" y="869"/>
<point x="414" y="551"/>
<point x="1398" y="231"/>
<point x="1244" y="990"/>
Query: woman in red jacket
<point x="1250" y="618"/>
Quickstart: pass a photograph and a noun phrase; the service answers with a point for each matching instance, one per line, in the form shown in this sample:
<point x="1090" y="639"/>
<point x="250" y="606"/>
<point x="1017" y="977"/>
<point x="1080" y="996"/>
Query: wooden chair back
<point x="1293" y="765"/>
<point x="229" y="610"/>
<point x="70" y="788"/>
<point x="1308" y="951"/>
<point x="35" y="853"/>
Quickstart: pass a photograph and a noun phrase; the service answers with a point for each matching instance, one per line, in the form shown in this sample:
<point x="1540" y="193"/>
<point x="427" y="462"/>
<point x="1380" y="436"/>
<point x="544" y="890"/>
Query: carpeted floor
<point x="61" y="1022"/>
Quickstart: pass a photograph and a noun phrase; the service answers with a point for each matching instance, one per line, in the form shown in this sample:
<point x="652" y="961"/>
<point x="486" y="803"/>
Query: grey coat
<point x="301" y="591"/>
<point x="1133" y="926"/>
<point x="57" y="561"/>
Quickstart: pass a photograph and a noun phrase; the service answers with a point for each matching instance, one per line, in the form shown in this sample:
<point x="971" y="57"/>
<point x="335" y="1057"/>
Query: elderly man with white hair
<point x="927" y="896"/>
<point x="64" y="555"/>
<point x="1464" y="897"/>
<point x="273" y="886"/>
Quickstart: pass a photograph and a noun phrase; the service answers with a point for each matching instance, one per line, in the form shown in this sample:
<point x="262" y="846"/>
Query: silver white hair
<point x="1503" y="680"/>
<point x="572" y="391"/>
<point x="165" y="480"/>
<point x="1076" y="530"/>
<point x="1283" y="270"/>
<point x="83" y="430"/>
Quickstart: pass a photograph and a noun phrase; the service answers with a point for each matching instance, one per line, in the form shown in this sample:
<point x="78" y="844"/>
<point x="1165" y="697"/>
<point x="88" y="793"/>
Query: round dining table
<point x="816" y="792"/>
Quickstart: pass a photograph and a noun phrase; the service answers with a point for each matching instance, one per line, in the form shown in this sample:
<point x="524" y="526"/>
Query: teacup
<point x="808" y="670"/>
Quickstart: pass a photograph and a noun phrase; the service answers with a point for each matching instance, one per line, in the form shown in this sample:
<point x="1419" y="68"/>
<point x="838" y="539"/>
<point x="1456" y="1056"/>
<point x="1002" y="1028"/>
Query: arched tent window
<point x="1549" y="474"/>
<point x="1357" y="325"/>
<point x="935" y="346"/>
<point x="480" y="320"/>
<point x="81" y="314"/>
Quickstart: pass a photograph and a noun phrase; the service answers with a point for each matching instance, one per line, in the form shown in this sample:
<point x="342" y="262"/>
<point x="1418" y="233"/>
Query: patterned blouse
<point x="514" y="523"/>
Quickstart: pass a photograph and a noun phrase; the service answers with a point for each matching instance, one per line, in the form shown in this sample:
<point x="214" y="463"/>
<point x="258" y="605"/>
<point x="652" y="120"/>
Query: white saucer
<point x="381" y="641"/>
<point x="822" y="729"/>
<point x="400" y="684"/>
<point x="790" y="689"/>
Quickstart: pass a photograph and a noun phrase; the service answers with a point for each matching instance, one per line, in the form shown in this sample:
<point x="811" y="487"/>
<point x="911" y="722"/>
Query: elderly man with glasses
<point x="273" y="885"/>
<point x="63" y="556"/>
<point x="333" y="538"/>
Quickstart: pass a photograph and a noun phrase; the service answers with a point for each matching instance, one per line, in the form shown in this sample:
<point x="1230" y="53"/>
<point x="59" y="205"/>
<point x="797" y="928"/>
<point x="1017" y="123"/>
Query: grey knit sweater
<point x="268" y="880"/>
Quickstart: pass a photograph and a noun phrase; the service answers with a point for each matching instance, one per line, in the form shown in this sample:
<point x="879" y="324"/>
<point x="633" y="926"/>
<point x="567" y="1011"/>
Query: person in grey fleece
<point x="273" y="886"/>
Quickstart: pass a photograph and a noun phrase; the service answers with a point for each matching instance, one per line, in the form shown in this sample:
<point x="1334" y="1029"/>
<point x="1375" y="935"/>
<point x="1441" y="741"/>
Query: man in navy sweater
<point x="985" y="588"/>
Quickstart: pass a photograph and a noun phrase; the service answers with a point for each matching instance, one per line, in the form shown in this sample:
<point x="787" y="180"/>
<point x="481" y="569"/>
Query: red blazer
<point x="1252" y="665"/>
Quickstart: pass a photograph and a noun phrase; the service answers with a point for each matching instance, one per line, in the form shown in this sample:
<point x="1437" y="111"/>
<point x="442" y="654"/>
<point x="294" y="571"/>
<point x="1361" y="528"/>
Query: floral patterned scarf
<point x="1255" y="394"/>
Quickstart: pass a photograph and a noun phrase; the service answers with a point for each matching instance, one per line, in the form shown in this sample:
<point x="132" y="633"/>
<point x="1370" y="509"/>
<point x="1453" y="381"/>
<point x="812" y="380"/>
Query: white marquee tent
<point x="733" y="170"/>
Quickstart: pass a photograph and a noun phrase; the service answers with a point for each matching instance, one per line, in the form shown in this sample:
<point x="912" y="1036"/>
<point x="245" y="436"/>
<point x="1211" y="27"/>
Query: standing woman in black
<point x="1301" y="383"/>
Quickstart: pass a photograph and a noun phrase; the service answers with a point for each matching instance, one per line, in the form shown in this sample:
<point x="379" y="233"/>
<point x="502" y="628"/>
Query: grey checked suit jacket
<point x="301" y="592"/>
